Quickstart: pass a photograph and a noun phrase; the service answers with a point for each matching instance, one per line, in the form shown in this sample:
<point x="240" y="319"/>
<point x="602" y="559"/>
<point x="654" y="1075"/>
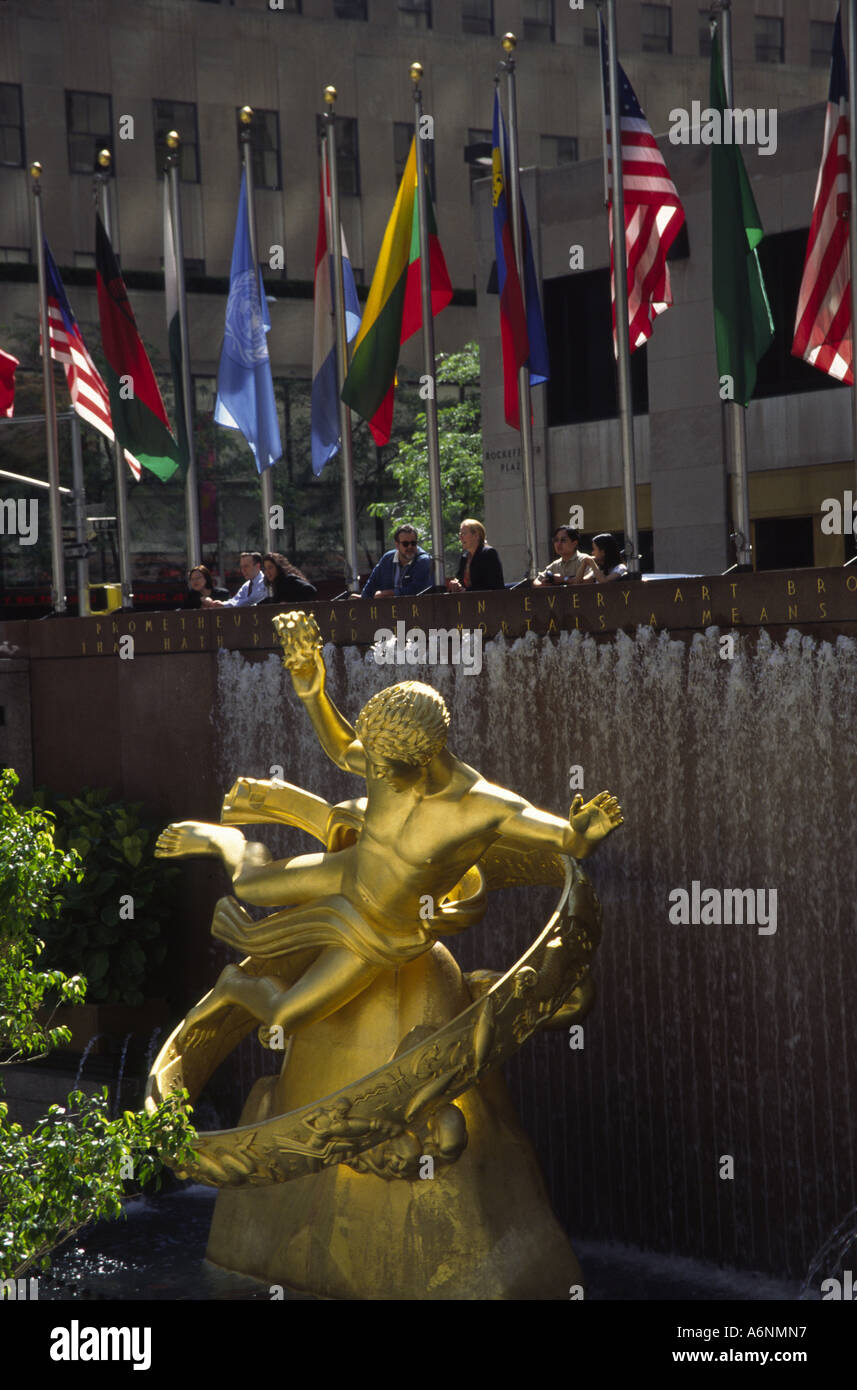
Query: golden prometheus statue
<point x="385" y="1161"/>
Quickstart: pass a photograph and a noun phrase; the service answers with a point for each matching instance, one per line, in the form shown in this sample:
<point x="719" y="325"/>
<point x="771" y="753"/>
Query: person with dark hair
<point x="404" y="570"/>
<point x="200" y="586"/>
<point x="284" y="580"/>
<point x="479" y="566"/>
<point x="606" y="562"/>
<point x="253" y="588"/>
<point x="570" y="561"/>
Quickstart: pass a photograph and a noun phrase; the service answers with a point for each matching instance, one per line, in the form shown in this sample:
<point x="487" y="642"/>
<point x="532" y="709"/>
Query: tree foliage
<point x="460" y="445"/>
<point x="76" y="1163"/>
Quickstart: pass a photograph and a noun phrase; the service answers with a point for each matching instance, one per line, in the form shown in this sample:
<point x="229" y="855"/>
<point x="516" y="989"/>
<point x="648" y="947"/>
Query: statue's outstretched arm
<point x="587" y="825"/>
<point x="301" y="641"/>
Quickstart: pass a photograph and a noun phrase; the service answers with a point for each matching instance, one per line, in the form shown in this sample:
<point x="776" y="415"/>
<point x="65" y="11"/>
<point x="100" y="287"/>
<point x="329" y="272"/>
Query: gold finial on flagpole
<point x="173" y="140"/>
<point x="105" y="159"/>
<point x="329" y="95"/>
<point x="35" y="171"/>
<point x="246" y="115"/>
<point x="510" y="43"/>
<point x="416" y="71"/>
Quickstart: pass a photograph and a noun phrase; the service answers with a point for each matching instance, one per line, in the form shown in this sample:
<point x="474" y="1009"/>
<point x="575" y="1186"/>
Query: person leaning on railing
<point x="200" y="585"/>
<point x="606" y="562"/>
<point x="284" y="581"/>
<point x="570" y="563"/>
<point x="479" y="566"/>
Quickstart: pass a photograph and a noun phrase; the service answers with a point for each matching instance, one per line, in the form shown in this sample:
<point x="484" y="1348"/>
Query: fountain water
<point x="707" y="1041"/>
<point x="121" y="1073"/>
<point x="86" y="1051"/>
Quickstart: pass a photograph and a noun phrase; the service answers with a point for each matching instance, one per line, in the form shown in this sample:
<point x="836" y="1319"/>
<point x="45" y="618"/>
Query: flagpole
<point x="266" y="476"/>
<point x="736" y="413"/>
<point x="432" y="444"/>
<point x="102" y="183"/>
<point x="330" y="176"/>
<point x="524" y="404"/>
<point x="194" y="552"/>
<point x="82" y="563"/>
<point x="58" y="595"/>
<point x="620" y="296"/>
<point x="852" y="201"/>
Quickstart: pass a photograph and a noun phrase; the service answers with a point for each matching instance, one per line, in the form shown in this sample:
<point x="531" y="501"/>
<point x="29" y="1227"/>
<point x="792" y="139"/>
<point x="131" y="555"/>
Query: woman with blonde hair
<point x="479" y="566"/>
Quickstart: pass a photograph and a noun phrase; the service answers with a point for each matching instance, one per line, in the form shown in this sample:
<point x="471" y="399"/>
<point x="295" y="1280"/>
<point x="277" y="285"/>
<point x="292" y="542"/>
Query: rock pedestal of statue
<point x="480" y="1228"/>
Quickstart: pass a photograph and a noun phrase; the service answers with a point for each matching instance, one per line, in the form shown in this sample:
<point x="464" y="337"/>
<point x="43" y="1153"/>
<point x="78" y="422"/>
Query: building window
<point x="403" y="134"/>
<point x="264" y="147"/>
<point x="557" y="149"/>
<point x="89" y="122"/>
<point x="350" y="9"/>
<point x="783" y="542"/>
<point x="769" y="40"/>
<point x="582" y="383"/>
<point x="11" y="126"/>
<point x="538" y="20"/>
<point x="478" y="17"/>
<point x="704" y="38"/>
<point x="84" y="260"/>
<point x="14" y="255"/>
<point x="478" y="154"/>
<point x="820" y="43"/>
<point x="415" y="14"/>
<point x="657" y="28"/>
<point x="180" y="116"/>
<point x="193" y="266"/>
<point x="347" y="156"/>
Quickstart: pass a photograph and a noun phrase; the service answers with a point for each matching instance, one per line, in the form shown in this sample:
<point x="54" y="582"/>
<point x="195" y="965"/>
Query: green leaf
<point x="132" y="850"/>
<point x="96" y="966"/>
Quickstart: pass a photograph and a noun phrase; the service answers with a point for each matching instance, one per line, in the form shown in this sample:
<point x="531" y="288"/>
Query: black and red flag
<point x="139" y="418"/>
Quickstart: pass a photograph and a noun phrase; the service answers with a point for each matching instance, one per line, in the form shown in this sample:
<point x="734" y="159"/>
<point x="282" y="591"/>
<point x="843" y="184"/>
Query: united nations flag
<point x="245" y="389"/>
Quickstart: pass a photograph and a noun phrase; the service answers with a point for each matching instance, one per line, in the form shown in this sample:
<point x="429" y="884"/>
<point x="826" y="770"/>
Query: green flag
<point x="174" y="334"/>
<point x="743" y="326"/>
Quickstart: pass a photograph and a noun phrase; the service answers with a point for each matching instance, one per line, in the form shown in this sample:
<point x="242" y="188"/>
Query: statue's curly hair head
<point x="406" y="722"/>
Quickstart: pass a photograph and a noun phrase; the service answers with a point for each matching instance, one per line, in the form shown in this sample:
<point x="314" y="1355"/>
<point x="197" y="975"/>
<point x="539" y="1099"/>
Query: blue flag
<point x="245" y="388"/>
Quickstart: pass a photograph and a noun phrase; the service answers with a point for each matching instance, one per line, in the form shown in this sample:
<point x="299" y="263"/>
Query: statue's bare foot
<point x="200" y="1022"/>
<point x="186" y="837"/>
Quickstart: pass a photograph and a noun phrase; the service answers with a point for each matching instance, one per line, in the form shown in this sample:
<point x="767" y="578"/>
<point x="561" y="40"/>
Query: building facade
<point x="85" y="74"/>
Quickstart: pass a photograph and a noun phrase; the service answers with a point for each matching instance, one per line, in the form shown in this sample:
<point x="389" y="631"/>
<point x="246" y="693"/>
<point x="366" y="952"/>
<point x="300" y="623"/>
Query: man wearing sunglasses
<point x="403" y="571"/>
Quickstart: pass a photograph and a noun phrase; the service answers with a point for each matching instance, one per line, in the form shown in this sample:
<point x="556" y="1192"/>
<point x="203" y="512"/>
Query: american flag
<point x="654" y="215"/>
<point x="823" y="322"/>
<point x="89" y="395"/>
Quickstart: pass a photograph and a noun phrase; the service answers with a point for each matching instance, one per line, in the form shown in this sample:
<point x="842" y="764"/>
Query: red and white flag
<point x="654" y="215"/>
<point x="89" y="395"/>
<point x="823" y="321"/>
<point x="8" y="363"/>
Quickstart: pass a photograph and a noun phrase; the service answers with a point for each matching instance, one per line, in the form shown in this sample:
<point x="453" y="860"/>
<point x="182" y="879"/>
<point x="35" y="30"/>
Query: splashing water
<point x="121" y="1072"/>
<point x="705" y="1041"/>
<point x="86" y="1051"/>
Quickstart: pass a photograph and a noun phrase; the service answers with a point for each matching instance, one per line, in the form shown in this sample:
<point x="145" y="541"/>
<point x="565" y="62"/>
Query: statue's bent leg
<point x="335" y="978"/>
<point x="290" y="882"/>
<point x="255" y="876"/>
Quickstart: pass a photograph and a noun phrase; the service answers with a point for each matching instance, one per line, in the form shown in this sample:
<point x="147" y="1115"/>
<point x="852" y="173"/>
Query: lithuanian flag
<point x="393" y="311"/>
<point x="137" y="410"/>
